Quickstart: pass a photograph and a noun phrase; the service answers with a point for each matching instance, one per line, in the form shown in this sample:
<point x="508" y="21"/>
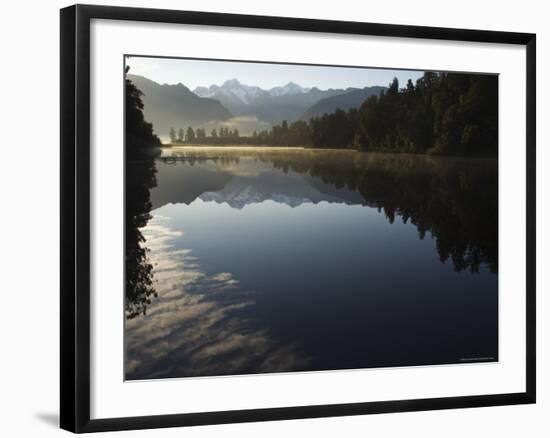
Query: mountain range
<point x="246" y="107"/>
<point x="274" y="105"/>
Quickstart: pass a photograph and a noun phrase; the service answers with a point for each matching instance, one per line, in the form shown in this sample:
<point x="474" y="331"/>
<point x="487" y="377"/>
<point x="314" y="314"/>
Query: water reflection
<point x="454" y="199"/>
<point x="268" y="260"/>
<point x="195" y="326"/>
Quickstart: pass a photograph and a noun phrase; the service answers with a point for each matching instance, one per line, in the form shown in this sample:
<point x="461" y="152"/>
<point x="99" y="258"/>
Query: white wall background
<point x="29" y="247"/>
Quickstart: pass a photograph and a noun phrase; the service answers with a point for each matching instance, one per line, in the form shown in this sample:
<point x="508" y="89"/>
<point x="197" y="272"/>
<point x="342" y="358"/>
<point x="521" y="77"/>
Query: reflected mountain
<point x="288" y="188"/>
<point x="217" y="180"/>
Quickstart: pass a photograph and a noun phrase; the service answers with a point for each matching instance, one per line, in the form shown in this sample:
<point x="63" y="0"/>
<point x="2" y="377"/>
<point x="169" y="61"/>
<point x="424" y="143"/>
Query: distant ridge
<point x="176" y="106"/>
<point x="344" y="101"/>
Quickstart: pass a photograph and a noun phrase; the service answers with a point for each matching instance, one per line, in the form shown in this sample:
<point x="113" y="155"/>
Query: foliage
<point x="139" y="133"/>
<point x="141" y="148"/>
<point x="446" y="113"/>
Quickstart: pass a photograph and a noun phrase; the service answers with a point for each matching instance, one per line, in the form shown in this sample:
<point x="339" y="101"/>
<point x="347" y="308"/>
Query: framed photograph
<point x="270" y="218"/>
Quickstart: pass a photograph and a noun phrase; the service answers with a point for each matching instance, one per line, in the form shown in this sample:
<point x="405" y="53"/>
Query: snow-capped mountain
<point x="231" y="89"/>
<point x="290" y="88"/>
<point x="287" y="102"/>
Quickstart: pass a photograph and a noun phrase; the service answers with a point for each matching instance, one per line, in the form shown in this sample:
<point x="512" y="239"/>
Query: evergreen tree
<point x="190" y="136"/>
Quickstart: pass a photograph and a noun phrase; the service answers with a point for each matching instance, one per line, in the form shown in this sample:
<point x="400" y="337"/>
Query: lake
<point x="253" y="260"/>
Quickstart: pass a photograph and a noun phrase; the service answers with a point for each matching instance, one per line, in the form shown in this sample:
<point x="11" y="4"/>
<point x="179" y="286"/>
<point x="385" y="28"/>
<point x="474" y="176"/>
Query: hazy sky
<point x="193" y="73"/>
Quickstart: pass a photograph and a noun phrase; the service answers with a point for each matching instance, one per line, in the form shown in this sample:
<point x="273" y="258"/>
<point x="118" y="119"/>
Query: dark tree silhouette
<point x="141" y="149"/>
<point x="445" y="113"/>
<point x="190" y="135"/>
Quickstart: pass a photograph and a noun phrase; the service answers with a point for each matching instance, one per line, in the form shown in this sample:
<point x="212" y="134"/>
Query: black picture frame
<point x="75" y="217"/>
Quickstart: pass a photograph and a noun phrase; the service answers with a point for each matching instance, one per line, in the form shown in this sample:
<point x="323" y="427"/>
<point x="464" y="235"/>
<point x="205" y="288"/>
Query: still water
<point x="272" y="260"/>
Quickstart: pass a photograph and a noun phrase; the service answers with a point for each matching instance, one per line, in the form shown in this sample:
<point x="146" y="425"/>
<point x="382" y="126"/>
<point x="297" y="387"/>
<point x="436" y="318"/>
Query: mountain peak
<point x="289" y="88"/>
<point x="232" y="91"/>
<point x="232" y="82"/>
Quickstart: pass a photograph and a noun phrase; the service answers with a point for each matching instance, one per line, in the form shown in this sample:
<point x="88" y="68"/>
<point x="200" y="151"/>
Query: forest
<point x="443" y="113"/>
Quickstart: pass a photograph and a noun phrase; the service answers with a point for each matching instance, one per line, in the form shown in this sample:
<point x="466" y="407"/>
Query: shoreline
<point x="175" y="147"/>
<point x="235" y="146"/>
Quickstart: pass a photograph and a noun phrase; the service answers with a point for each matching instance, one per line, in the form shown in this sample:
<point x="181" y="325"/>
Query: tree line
<point x="444" y="113"/>
<point x="447" y="113"/>
<point x="198" y="136"/>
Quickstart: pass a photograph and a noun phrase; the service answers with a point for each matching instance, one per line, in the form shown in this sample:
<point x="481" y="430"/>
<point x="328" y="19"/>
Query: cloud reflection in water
<point x="195" y="327"/>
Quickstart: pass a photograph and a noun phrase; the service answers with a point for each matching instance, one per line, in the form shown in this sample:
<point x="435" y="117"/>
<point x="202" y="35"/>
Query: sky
<point x="193" y="73"/>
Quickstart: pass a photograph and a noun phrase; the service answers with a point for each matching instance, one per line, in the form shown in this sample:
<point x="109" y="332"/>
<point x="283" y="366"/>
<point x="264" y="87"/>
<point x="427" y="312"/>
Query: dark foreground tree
<point x="139" y="133"/>
<point x="141" y="144"/>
